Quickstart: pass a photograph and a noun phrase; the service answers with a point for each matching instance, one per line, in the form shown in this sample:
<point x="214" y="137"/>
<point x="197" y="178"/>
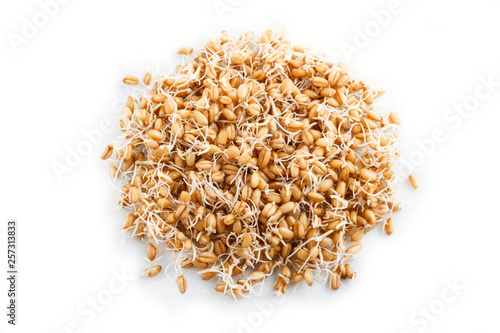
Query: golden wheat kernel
<point x="232" y="152"/>
<point x="328" y="256"/>
<point x="154" y="271"/>
<point x="190" y="160"/>
<point x="130" y="103"/>
<point x="335" y="281"/>
<point x="268" y="210"/>
<point x="374" y="115"/>
<point x="302" y="98"/>
<point x="127" y="113"/>
<point x="358" y="235"/>
<point x="321" y="68"/>
<point x="225" y="100"/>
<point x="308" y="277"/>
<point x="229" y="219"/>
<point x="200" y="118"/>
<point x="151" y="251"/>
<point x="341" y="271"/>
<point x="368" y="97"/>
<point x="394" y="118"/>
<point x="236" y="58"/>
<point x="180" y="236"/>
<point x="315" y="196"/>
<point x="243" y="91"/>
<point x="413" y="181"/>
<point x="129" y="221"/>
<point x="368" y="175"/>
<point x="369" y="215"/>
<point x="140" y="114"/>
<point x="128" y="152"/>
<point x="204" y="165"/>
<point x="287" y="207"/>
<point x="325" y="185"/>
<point x="280" y="282"/>
<point x="307" y="138"/>
<point x="354" y="248"/>
<point x="286" y="250"/>
<point x="322" y="142"/>
<point x="182" y="284"/>
<point x="254" y="109"/>
<point x="237" y="292"/>
<point x="286" y="233"/>
<point x="368" y="123"/>
<point x="230" y="169"/>
<point x="298" y="72"/>
<point x="319" y="168"/>
<point x="336" y="163"/>
<point x="107" y="153"/>
<point x="275" y="217"/>
<point x="254" y="180"/>
<point x="214" y="149"/>
<point x="237" y="227"/>
<point x="208" y="275"/>
<point x="222" y="137"/>
<point x="285" y="271"/>
<point x="199" y="212"/>
<point x="229" y="115"/>
<point x="349" y="272"/>
<point x="207" y="257"/>
<point x="287" y="86"/>
<point x="296" y="277"/>
<point x="273" y="197"/>
<point x="314" y="251"/>
<point x="184" y="197"/>
<point x="264" y="158"/>
<point x="361" y="221"/>
<point x="134" y="194"/>
<point x="273" y="56"/>
<point x="181" y="212"/>
<point x="218" y="176"/>
<point x="113" y="170"/>
<point x="298" y="230"/>
<point x="155" y="135"/>
<point x="389" y="226"/>
<point x="303" y="255"/>
<point x="319" y="82"/>
<point x="210" y="222"/>
<point x="196" y="263"/>
<point x="163" y="203"/>
<point x="146" y="78"/>
<point x="379" y="93"/>
<point x="246" y="241"/>
<point x="158" y="98"/>
<point x="342" y="81"/>
<point x="333" y="76"/>
<point x="221" y="287"/>
<point x="128" y="165"/>
<point x="185" y="50"/>
<point x="130" y="80"/>
<point x="327" y="92"/>
<point x="326" y="242"/>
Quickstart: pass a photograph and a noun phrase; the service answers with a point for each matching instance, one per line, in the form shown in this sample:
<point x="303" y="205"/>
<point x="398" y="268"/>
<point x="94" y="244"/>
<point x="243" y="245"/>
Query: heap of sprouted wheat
<point x="255" y="157"/>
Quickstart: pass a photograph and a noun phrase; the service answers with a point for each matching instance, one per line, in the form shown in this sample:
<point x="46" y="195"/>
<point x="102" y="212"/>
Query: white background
<point x="66" y="78"/>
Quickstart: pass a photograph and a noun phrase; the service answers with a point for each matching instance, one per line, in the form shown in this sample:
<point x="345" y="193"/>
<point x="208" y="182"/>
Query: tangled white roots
<point x="255" y="156"/>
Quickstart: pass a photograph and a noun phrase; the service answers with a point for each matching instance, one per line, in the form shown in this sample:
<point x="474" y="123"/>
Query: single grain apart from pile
<point x="255" y="157"/>
<point x="413" y="181"/>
